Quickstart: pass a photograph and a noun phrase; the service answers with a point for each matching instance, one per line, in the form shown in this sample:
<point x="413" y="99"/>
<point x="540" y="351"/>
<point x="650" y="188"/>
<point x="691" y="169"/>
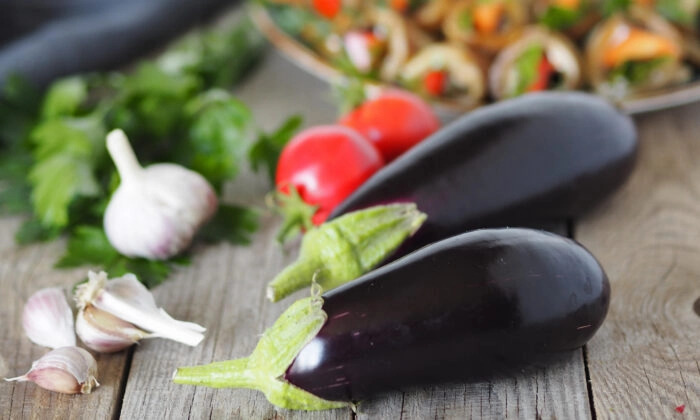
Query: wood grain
<point x="223" y="290"/>
<point x="557" y="390"/>
<point x="23" y="271"/>
<point x="645" y="360"/>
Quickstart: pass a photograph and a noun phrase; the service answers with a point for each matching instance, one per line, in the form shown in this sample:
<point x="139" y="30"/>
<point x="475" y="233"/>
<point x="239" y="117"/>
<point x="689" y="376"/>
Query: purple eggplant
<point x="542" y="157"/>
<point x="471" y="306"/>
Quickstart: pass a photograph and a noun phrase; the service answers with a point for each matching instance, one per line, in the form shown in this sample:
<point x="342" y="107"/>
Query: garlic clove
<point x="48" y="320"/>
<point x="129" y="300"/>
<point x="68" y="370"/>
<point x="157" y="210"/>
<point x="104" y="332"/>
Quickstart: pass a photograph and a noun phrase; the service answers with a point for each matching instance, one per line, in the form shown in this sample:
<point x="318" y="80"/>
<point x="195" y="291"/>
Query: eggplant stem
<point x="264" y="369"/>
<point x="345" y="248"/>
<point x="295" y="277"/>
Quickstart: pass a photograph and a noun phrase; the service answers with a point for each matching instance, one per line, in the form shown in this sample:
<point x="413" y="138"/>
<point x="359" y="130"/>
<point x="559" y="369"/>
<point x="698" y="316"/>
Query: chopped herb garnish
<point x="526" y="67"/>
<point x="560" y="18"/>
<point x="636" y="72"/>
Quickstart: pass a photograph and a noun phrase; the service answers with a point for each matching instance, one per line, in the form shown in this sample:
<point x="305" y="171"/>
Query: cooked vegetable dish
<point x="470" y="51"/>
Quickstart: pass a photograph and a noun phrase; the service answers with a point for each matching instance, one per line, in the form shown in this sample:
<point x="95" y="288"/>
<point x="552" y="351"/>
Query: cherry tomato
<point x="395" y="121"/>
<point x="327" y="8"/>
<point x="325" y="164"/>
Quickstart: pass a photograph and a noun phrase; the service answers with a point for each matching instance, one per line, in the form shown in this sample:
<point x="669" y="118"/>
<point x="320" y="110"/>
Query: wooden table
<point x="643" y="363"/>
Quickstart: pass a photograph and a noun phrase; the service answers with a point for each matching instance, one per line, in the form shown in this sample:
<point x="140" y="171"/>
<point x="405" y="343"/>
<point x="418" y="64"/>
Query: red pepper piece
<point x="327" y="8"/>
<point x="435" y="82"/>
<point x="544" y="72"/>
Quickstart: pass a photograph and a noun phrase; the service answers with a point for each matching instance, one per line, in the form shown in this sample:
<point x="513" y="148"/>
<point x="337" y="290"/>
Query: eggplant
<point x="469" y="307"/>
<point x="537" y="158"/>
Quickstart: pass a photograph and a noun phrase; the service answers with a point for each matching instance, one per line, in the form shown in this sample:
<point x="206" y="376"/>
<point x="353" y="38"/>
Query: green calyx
<point x="264" y="369"/>
<point x="345" y="248"/>
<point x="295" y="211"/>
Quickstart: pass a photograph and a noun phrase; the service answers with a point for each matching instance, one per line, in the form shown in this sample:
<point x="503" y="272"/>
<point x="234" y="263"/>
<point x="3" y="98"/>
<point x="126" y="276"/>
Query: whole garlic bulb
<point x="156" y="210"/>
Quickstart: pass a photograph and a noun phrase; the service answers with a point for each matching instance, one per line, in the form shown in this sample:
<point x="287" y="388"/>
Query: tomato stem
<point x="296" y="212"/>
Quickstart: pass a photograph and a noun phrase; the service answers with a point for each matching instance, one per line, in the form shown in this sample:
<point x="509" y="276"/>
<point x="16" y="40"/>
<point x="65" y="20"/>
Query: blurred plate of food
<point x="460" y="54"/>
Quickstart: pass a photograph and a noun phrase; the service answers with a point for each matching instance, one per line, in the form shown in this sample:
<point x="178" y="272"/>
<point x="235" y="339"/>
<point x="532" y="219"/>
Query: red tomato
<point x="327" y="8"/>
<point x="395" y="121"/>
<point x="326" y="164"/>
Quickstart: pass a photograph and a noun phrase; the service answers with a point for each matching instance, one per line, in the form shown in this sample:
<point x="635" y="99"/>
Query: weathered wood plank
<point x="224" y="288"/>
<point x="557" y="390"/>
<point x="645" y="360"/>
<point x="23" y="271"/>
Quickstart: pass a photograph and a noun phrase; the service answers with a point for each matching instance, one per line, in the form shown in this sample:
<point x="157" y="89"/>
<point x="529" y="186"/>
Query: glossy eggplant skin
<point x="469" y="307"/>
<point x="541" y="157"/>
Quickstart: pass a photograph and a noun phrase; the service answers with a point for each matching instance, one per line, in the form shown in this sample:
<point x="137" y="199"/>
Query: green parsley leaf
<point x="33" y="230"/>
<point x="15" y="192"/>
<point x="150" y="102"/>
<point x="227" y="56"/>
<point x="219" y="128"/>
<point x="265" y="152"/>
<point x="67" y="150"/>
<point x="64" y="97"/>
<point x="150" y="273"/>
<point x="232" y="224"/>
<point x="88" y="245"/>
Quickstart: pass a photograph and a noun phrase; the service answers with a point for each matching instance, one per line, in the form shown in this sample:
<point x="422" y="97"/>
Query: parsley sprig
<point x="175" y="108"/>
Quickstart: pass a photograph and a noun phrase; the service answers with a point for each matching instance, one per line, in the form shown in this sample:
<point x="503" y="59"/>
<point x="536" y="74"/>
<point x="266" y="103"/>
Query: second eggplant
<point x="478" y="305"/>
<point x="541" y="157"/>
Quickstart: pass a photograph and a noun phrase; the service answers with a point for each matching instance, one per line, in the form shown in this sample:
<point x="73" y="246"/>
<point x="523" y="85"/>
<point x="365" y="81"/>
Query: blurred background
<point x="46" y="39"/>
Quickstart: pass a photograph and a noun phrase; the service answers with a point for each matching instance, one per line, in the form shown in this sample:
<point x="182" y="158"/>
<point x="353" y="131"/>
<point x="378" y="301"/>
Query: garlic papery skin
<point x="48" y="320"/>
<point x="68" y="370"/>
<point x="129" y="300"/>
<point x="156" y="210"/>
<point x="104" y="332"/>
